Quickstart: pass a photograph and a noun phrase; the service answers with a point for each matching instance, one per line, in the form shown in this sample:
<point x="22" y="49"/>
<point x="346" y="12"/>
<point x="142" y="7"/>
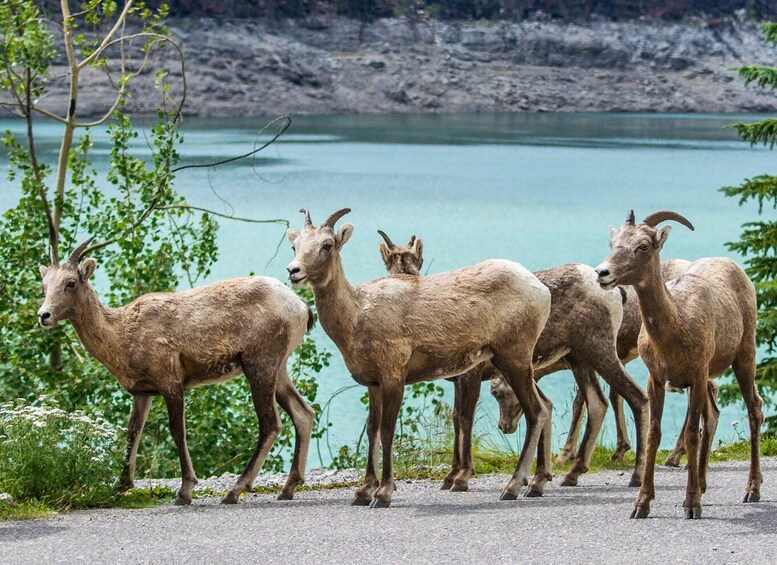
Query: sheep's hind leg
<point x="517" y="371"/>
<point x="588" y="383"/>
<point x="622" y="445"/>
<point x="569" y="451"/>
<point x="262" y="382"/>
<point x="302" y="415"/>
<point x="744" y="371"/>
<point x="679" y="449"/>
<point x="470" y="392"/>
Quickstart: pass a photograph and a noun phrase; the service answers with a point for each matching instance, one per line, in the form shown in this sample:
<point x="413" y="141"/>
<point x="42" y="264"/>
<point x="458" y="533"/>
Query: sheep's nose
<point x="292" y="270"/>
<point x="603" y="272"/>
<point x="43" y="316"/>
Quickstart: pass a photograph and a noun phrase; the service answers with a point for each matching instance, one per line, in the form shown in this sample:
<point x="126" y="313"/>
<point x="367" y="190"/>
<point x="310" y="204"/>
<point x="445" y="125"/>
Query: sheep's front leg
<point x="697" y="402"/>
<point x="647" y="491"/>
<point x="447" y="482"/>
<point x="364" y="493"/>
<point x="175" y="413"/>
<point x="141" y="405"/>
<point x="391" y="391"/>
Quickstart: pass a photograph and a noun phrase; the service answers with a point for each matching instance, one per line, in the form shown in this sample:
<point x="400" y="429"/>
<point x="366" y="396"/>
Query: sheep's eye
<point x="327" y="247"/>
<point x="643" y="247"/>
<point x="70" y="284"/>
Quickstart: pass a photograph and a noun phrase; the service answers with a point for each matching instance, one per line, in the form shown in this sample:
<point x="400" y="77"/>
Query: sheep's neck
<point x="658" y="310"/>
<point x="98" y="329"/>
<point x="337" y="306"/>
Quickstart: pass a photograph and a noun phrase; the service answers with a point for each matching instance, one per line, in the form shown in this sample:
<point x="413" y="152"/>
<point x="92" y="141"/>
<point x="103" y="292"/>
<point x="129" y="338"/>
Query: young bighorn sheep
<point x="400" y="330"/>
<point x="165" y="343"/>
<point x="580" y="335"/>
<point x="694" y="328"/>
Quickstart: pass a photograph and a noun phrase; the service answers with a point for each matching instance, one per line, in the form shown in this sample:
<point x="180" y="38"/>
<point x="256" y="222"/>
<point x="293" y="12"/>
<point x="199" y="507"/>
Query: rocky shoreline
<point x="336" y="66"/>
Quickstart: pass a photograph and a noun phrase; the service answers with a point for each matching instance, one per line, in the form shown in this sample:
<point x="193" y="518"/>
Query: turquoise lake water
<point x="540" y="189"/>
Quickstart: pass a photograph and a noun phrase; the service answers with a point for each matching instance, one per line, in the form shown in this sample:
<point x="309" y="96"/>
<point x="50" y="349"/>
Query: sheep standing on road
<point x="167" y="342"/>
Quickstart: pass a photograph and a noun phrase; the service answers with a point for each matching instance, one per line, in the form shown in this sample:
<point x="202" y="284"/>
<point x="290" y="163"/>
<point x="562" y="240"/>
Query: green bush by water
<point x="58" y="458"/>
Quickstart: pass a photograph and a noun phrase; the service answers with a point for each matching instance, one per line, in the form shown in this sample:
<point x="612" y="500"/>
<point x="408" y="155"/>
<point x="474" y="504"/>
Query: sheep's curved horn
<point x="387" y="239"/>
<point x="53" y="255"/>
<point x="663" y="215"/>
<point x="75" y="256"/>
<point x="308" y="221"/>
<point x="630" y="218"/>
<point x="332" y="220"/>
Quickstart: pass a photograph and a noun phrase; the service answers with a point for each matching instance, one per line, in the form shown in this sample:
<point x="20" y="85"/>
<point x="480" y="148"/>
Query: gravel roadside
<point x="585" y="524"/>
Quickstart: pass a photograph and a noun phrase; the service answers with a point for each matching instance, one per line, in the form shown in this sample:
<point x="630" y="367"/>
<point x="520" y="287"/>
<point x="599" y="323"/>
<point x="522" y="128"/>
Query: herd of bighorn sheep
<point x="494" y="321"/>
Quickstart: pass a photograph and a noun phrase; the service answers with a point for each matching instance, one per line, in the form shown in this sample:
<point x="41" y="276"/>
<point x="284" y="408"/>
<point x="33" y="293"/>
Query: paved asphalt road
<point x="585" y="524"/>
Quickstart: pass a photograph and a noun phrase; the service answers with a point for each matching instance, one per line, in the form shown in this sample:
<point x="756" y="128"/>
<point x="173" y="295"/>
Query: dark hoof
<point x="569" y="483"/>
<point x="446" y="486"/>
<point x="531" y="493"/>
<point x="507" y="496"/>
<point x="179" y="501"/>
<point x="634" y="483"/>
<point x="378" y="503"/>
<point x="459" y="488"/>
<point x="285" y="496"/>
<point x="230" y="498"/>
<point x="639" y="513"/>
<point x="360" y="502"/>
<point x="692" y="513"/>
<point x="752" y="497"/>
<point x="671" y="463"/>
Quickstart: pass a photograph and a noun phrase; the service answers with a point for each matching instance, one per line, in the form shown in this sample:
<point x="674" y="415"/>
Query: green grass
<point x="431" y="464"/>
<point x="29" y="510"/>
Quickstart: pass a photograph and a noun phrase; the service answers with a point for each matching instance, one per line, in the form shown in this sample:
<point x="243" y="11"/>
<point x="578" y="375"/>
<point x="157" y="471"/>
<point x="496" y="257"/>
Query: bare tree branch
<point x="227" y="216"/>
<point x="287" y="123"/>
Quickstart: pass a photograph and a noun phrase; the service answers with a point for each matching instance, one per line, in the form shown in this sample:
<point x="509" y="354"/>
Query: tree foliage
<point x="155" y="238"/>
<point x="758" y="240"/>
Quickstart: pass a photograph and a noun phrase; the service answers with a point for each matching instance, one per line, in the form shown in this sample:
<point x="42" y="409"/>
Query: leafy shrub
<point x="60" y="458"/>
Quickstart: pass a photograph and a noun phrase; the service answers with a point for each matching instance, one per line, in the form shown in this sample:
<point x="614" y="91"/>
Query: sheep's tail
<point x="311" y="318"/>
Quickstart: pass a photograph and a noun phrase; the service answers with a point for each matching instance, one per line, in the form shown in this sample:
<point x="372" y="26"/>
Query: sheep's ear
<point x="661" y="235"/>
<point x="385" y="253"/>
<point x="43" y="270"/>
<point x="87" y="268"/>
<point x="614" y="231"/>
<point x="343" y="234"/>
<point x="291" y="235"/>
<point x="418" y="249"/>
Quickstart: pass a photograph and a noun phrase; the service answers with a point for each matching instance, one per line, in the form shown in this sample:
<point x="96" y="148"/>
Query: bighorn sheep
<point x="627" y="351"/>
<point x="579" y="335"/>
<point x="165" y="343"/>
<point x="400" y="330"/>
<point x="693" y="328"/>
